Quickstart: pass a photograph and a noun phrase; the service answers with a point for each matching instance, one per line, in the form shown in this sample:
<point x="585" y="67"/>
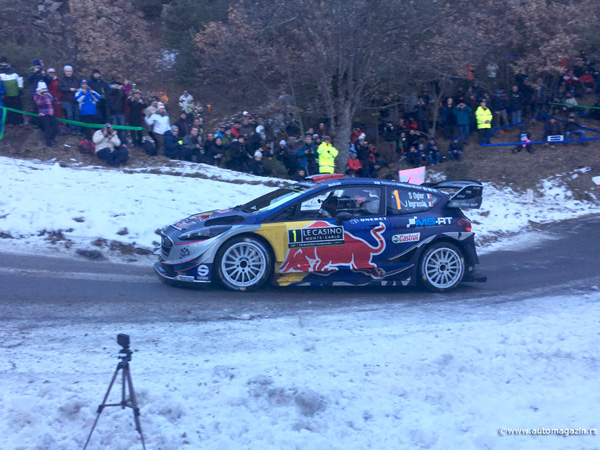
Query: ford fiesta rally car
<point x="330" y="231"/>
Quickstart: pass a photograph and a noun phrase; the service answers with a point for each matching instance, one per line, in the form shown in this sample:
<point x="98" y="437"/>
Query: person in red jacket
<point x="53" y="89"/>
<point x="353" y="166"/>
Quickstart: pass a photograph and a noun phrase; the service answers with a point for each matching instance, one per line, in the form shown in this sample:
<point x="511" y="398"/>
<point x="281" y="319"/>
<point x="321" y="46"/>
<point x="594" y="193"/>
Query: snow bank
<point x="94" y="203"/>
<point x="89" y="203"/>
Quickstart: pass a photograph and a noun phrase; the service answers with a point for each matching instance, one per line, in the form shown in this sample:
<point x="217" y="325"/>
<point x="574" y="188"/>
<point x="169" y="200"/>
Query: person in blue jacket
<point x="463" y="118"/>
<point x="88" y="112"/>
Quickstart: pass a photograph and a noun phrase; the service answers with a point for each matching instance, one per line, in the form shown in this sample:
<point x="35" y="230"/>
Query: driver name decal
<point x="315" y="237"/>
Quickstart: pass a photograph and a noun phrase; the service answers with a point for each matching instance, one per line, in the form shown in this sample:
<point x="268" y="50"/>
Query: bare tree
<point x="339" y="52"/>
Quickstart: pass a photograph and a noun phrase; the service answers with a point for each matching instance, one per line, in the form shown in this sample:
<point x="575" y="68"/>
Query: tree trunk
<point x="342" y="138"/>
<point x="68" y="33"/>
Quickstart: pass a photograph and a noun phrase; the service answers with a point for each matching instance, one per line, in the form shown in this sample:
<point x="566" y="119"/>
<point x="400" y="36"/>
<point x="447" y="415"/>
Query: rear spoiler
<point x="462" y="193"/>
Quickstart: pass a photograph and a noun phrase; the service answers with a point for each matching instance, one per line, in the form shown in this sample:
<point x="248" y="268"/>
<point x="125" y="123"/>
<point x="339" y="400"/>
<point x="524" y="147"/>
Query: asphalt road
<point x="62" y="291"/>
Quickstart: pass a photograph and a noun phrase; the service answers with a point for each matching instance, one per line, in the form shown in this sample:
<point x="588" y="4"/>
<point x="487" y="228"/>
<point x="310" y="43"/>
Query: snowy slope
<point x="129" y="207"/>
<point x="96" y="203"/>
<point x="440" y="375"/>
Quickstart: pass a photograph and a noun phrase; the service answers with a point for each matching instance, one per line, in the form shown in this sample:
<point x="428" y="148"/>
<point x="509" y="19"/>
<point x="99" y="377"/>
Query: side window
<point x="358" y="200"/>
<point x="286" y="215"/>
<point x="312" y="208"/>
<point x="404" y="201"/>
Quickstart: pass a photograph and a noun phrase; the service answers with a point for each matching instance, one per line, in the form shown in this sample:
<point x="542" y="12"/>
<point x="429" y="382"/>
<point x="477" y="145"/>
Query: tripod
<point x="130" y="402"/>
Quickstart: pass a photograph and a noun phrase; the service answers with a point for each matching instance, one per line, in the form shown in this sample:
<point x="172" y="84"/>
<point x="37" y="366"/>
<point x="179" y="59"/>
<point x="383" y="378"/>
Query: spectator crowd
<point x="245" y="145"/>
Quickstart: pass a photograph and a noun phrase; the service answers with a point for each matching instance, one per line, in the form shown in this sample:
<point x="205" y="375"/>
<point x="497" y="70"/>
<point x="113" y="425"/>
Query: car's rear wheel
<point x="244" y="264"/>
<point x="442" y="267"/>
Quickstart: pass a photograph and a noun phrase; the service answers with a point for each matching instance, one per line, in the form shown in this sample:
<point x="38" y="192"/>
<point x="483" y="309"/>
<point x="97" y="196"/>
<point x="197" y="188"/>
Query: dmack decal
<point x="356" y="254"/>
<point x="428" y="221"/>
<point x="408" y="237"/>
<point x="367" y="219"/>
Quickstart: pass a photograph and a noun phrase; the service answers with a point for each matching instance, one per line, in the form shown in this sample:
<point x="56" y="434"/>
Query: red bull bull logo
<point x="355" y="253"/>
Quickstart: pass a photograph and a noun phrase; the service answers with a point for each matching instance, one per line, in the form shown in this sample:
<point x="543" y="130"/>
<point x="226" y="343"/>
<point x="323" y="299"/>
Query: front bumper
<point x="197" y="273"/>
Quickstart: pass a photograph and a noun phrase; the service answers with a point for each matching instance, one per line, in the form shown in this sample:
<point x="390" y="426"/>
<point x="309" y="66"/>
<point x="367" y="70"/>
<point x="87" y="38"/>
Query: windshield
<point x="273" y="199"/>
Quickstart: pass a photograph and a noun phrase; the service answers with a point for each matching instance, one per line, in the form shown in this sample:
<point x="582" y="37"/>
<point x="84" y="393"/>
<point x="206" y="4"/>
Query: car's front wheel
<point x="442" y="267"/>
<point x="244" y="264"/>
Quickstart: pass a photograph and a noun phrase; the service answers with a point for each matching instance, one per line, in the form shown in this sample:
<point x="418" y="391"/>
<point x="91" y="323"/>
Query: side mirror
<point x="342" y="217"/>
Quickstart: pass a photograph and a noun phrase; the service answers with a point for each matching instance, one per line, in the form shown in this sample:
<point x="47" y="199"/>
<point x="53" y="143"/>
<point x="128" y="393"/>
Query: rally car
<point x="329" y="231"/>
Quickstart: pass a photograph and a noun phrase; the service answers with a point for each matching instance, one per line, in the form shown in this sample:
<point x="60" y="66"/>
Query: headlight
<point x="204" y="233"/>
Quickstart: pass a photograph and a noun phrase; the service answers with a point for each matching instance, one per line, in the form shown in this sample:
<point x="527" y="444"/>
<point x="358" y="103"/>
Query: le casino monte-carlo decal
<point x="316" y="237"/>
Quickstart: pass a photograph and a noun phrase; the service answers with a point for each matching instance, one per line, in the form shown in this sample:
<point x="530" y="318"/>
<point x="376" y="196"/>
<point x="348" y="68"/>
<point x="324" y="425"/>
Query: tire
<point x="442" y="267"/>
<point x="244" y="264"/>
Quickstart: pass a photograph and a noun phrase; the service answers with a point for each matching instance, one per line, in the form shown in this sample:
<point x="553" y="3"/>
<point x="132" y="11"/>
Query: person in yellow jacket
<point x="327" y="154"/>
<point x="484" y="116"/>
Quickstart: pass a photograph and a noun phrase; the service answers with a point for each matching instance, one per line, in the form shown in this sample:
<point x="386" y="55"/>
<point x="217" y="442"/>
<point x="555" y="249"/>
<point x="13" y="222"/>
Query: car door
<point x="408" y="212"/>
<point x="339" y="229"/>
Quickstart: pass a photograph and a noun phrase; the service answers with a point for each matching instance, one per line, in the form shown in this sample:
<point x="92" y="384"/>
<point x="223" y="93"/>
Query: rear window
<point x="403" y="201"/>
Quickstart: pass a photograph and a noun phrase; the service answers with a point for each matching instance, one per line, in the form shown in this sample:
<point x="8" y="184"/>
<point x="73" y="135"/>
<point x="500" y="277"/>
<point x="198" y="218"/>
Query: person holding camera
<point x="108" y="146"/>
<point x="462" y="112"/>
<point x="327" y="154"/>
<point x="136" y="104"/>
<point x="36" y="75"/>
<point x="306" y="154"/>
<point x="87" y="99"/>
<point x="98" y="84"/>
<point x="116" y="105"/>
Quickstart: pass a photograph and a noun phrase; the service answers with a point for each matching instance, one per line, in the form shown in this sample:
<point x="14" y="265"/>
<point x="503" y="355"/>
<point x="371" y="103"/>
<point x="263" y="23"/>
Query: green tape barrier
<point x="575" y="106"/>
<point x="72" y="122"/>
<point x="2" y="122"/>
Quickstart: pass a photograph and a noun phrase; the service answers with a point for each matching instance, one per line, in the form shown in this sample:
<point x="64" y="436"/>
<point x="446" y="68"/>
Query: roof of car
<point x="368" y="181"/>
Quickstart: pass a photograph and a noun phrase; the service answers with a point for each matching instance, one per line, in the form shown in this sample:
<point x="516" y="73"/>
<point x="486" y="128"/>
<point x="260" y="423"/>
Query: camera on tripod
<point x="125" y="352"/>
<point x="127" y="401"/>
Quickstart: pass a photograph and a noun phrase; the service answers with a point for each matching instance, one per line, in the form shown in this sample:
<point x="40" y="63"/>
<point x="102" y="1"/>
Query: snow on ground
<point x="95" y="203"/>
<point x="444" y="374"/>
<point x="129" y="207"/>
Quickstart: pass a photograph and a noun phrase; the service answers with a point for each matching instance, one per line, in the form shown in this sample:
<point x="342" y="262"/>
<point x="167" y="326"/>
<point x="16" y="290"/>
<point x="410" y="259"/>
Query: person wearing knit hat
<point x="256" y="166"/>
<point x="159" y="124"/>
<point x="98" y="84"/>
<point x="13" y="83"/>
<point x="47" y="116"/>
<point x="36" y="75"/>
<point x="136" y="104"/>
<point x="174" y="148"/>
<point x="53" y="89"/>
<point x="108" y="146"/>
<point x="327" y="154"/>
<point x="88" y="110"/>
<point x="68" y="85"/>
